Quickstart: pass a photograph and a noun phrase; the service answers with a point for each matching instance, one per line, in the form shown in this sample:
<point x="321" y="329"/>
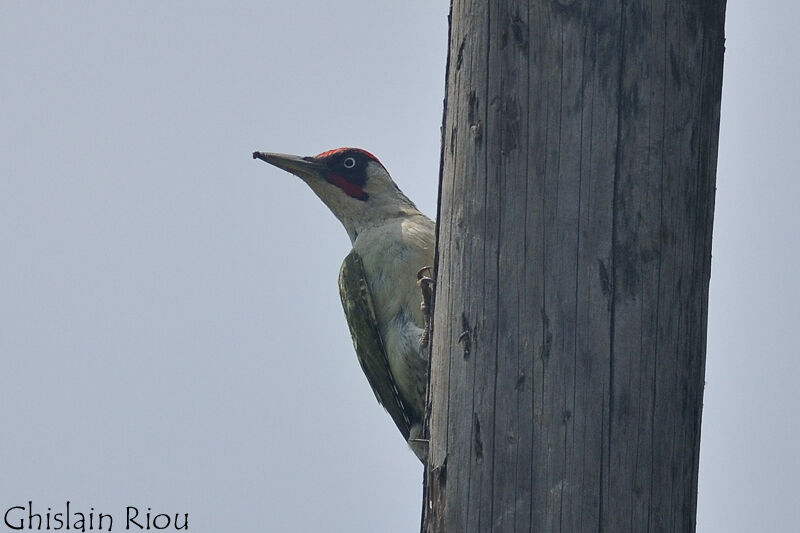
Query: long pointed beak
<point x="303" y="167"/>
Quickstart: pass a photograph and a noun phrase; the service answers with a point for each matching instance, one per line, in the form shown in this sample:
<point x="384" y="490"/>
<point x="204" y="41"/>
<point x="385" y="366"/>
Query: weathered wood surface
<point x="576" y="208"/>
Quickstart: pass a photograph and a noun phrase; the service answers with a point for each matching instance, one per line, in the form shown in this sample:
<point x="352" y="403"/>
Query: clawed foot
<point x="425" y="283"/>
<point x="418" y="444"/>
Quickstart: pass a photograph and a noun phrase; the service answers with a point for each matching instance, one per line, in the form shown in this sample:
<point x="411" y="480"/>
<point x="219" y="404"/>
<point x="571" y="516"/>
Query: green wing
<point x="360" y="313"/>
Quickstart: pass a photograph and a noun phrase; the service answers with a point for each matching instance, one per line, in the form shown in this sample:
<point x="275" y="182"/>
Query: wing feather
<point x="360" y="313"/>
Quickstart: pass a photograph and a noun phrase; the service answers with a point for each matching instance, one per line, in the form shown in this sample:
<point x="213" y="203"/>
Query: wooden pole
<point x="574" y="250"/>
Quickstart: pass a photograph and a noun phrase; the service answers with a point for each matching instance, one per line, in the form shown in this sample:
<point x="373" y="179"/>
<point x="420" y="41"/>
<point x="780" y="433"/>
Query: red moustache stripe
<point x="351" y="190"/>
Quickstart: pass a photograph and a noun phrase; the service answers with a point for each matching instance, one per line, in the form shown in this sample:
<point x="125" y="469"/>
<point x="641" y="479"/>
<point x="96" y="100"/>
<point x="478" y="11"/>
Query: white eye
<point x="349" y="162"/>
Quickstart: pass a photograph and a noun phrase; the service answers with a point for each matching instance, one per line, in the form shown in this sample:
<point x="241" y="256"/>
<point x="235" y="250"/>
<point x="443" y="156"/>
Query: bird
<point x="382" y="278"/>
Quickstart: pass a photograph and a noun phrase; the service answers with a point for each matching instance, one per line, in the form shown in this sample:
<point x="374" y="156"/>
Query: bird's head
<point x="352" y="182"/>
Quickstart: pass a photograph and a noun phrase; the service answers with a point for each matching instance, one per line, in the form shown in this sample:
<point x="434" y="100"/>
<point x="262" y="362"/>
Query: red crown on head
<point x="345" y="149"/>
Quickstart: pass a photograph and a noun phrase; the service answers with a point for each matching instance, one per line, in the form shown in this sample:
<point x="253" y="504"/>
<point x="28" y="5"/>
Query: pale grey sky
<point x="170" y="329"/>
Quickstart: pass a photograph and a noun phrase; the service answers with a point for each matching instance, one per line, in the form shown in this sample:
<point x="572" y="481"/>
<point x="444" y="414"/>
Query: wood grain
<point x="574" y="247"/>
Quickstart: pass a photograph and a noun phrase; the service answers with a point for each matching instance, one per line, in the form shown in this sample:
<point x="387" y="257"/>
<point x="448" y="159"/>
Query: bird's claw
<point x="421" y="272"/>
<point x="426" y="283"/>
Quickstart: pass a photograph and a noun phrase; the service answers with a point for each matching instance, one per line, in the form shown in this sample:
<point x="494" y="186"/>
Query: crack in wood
<point x="466" y="336"/>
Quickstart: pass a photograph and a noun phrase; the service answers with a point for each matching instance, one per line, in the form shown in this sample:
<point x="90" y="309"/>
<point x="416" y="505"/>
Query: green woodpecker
<point x="393" y="243"/>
